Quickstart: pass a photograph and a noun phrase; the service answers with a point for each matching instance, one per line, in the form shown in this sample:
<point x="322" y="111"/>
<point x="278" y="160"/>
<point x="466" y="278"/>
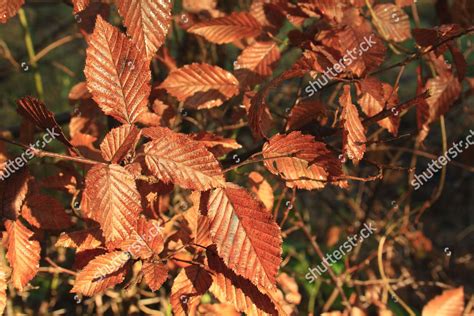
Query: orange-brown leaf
<point x="147" y="239"/>
<point x="247" y="237"/>
<point x="113" y="200"/>
<point x="393" y="23"/>
<point x="188" y="287"/>
<point x="444" y="91"/>
<point x="301" y="161"/>
<point x="303" y="113"/>
<point x="9" y="8"/>
<point x="202" y="85"/>
<point x="449" y="303"/>
<point x="45" y="212"/>
<point x="147" y="22"/>
<point x="175" y="157"/>
<point x="23" y="253"/>
<point x="240" y="292"/>
<point x="216" y="144"/>
<point x="81" y="240"/>
<point x="262" y="189"/>
<point x="376" y="97"/>
<point x="228" y="29"/>
<point x="354" y="132"/>
<point x="101" y="273"/>
<point x="119" y="142"/>
<point x="80" y="5"/>
<point x="155" y="274"/>
<point x="118" y="76"/>
<point x="256" y="62"/>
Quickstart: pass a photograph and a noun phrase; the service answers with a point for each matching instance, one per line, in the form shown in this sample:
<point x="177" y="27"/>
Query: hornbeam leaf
<point x="118" y="75"/>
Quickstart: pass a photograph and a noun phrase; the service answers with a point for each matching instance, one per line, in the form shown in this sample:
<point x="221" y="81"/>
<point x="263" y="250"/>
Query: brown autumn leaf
<point x="155" y="274"/>
<point x="9" y="8"/>
<point x="217" y="145"/>
<point x="113" y="200"/>
<point x="80" y="5"/>
<point x="247" y="237"/>
<point x="331" y="10"/>
<point x="444" y="91"/>
<point x="218" y="310"/>
<point x="146" y="240"/>
<point x="354" y="132"/>
<point x="301" y="161"/>
<point x="23" y="253"/>
<point x="147" y="22"/>
<point x="5" y="273"/>
<point x="175" y="157"/>
<point x="304" y="113"/>
<point x="197" y="6"/>
<point x="392" y="22"/>
<point x="13" y="191"/>
<point x="119" y="142"/>
<point x="85" y="144"/>
<point x="376" y="96"/>
<point x="268" y="14"/>
<point x="196" y="226"/>
<point x="262" y="189"/>
<point x="35" y="111"/>
<point x="102" y="272"/>
<point x="201" y="85"/>
<point x="118" y="75"/>
<point x="229" y="287"/>
<point x="45" y="212"/>
<point x="228" y="29"/>
<point x="188" y="287"/>
<point x="256" y="62"/>
<point x="449" y="303"/>
<point x="81" y="240"/>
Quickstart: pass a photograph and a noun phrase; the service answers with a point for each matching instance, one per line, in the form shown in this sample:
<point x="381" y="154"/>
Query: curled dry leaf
<point x="175" y="157"/>
<point x="23" y="253"/>
<point x="35" y="111"/>
<point x="9" y="8"/>
<point x="247" y="237"/>
<point x="81" y="240"/>
<point x="113" y="200"/>
<point x="354" y="132"/>
<point x="155" y="274"/>
<point x="256" y="62"/>
<point x="240" y="292"/>
<point x="188" y="287"/>
<point x="102" y="272"/>
<point x="207" y="86"/>
<point x="228" y="29"/>
<point x="118" y="75"/>
<point x="449" y="303"/>
<point x="147" y="22"/>
<point x="392" y="22"/>
<point x="119" y="142"/>
<point x="301" y="161"/>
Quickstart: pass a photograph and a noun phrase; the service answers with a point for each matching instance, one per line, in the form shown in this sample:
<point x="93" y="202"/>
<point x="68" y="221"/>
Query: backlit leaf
<point x="147" y="22"/>
<point x="113" y="200"/>
<point x="81" y="240"/>
<point x="9" y="8"/>
<point x="449" y="303"/>
<point x="247" y="237"/>
<point x="23" y="253"/>
<point x="118" y="76"/>
<point x="354" y="132"/>
<point x="119" y="142"/>
<point x="175" y="157"/>
<point x="155" y="274"/>
<point x="228" y="29"/>
<point x="393" y="23"/>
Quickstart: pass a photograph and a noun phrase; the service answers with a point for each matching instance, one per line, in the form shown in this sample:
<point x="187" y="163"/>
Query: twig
<point x="60" y="269"/>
